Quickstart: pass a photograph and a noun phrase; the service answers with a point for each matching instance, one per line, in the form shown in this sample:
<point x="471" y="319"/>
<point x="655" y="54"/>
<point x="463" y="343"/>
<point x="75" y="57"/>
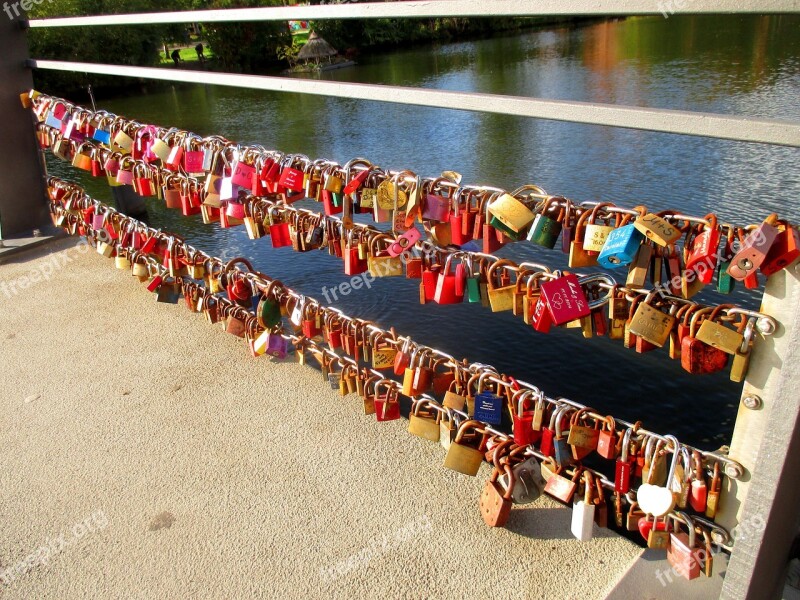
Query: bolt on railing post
<point x="23" y="203"/>
<point x="763" y="508"/>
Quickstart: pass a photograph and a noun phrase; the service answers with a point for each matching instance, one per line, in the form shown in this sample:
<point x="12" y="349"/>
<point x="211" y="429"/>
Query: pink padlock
<point x="242" y="174"/>
<point x="404" y="242"/>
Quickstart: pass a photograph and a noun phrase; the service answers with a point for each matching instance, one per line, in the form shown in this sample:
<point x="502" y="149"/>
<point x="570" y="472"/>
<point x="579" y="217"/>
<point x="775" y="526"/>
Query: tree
<point x="115" y="45"/>
<point x="245" y="47"/>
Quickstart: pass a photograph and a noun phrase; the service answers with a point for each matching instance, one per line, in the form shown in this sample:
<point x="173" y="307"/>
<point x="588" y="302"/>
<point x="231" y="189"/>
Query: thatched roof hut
<point x="316" y="49"/>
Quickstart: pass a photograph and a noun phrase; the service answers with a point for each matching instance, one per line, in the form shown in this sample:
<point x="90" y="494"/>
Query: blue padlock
<point x="621" y="247"/>
<point x="102" y="136"/>
<point x="488" y="405"/>
<point x="562" y="452"/>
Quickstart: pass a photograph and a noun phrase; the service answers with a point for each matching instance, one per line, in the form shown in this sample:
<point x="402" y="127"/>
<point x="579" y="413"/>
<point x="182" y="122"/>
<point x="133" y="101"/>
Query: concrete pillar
<point x="763" y="508"/>
<point x="23" y="198"/>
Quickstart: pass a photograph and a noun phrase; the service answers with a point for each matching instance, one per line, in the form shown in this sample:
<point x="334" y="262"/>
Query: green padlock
<point x="725" y="282"/>
<point x="498" y="224"/>
<point x="545" y="230"/>
<point x="473" y="292"/>
<point x="269" y="311"/>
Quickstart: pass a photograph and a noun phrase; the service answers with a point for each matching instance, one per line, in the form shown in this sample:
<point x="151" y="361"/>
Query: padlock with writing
<point x="621" y="247"/>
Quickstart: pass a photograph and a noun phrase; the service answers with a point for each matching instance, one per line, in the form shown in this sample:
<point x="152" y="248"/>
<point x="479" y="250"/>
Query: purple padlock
<point x="276" y="346"/>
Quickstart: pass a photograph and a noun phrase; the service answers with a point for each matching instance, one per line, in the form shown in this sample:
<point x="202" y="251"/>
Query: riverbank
<point x="148" y="455"/>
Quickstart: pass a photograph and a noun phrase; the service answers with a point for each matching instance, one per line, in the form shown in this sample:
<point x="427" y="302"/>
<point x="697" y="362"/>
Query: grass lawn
<point x="187" y="55"/>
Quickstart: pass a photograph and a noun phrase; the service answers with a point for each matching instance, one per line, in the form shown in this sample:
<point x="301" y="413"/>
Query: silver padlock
<point x="529" y="481"/>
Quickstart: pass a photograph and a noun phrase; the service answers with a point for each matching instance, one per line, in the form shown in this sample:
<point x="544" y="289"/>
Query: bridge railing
<point x="766" y="439"/>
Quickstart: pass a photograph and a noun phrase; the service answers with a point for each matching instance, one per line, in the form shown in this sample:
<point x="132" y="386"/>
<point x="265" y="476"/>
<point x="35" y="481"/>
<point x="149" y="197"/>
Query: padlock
<point x="379" y="262"/>
<point x="545" y="229"/>
<point x="524" y="433"/>
<point x="561" y="488"/>
<point x="387" y="406"/>
<point x="512" y="213"/>
<point x="595" y="235"/>
<point x="600" y="505"/>
<point x="448" y="427"/>
<point x="635" y="514"/>
<point x="462" y="457"/>
<point x="416" y="376"/>
<point x="717" y="335"/>
<point x="714" y="490"/>
<point x="561" y="450"/>
<point x="564" y="299"/>
<point x="578" y="256"/>
<point x="425" y="424"/>
<point x="640" y="267"/>
<point x="621" y="247"/>
<point x="658" y="500"/>
<point x="705" y="554"/>
<point x="754" y="249"/>
<point x="651" y="324"/>
<point x="654" y="466"/>
<point x="443" y="379"/>
<point x="582" y="439"/>
<point x="488" y="405"/>
<point x="278" y="229"/>
<point x="435" y="207"/>
<point x="495" y="503"/>
<point x="702" y="253"/>
<point x="657" y="229"/>
<point x="547" y="445"/>
<point x="501" y="297"/>
<point x="269" y="311"/>
<point x="608" y="439"/>
<point x="696" y="356"/>
<point x="530" y="483"/>
<point x="454" y="398"/>
<point x="784" y="250"/>
<point x="682" y="551"/>
<point x="353" y="263"/>
<point x="656" y="532"/>
<point x="583" y="511"/>
<point x="446" y="291"/>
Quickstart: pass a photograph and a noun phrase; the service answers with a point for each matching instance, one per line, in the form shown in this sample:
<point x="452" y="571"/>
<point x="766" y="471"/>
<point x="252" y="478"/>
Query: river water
<point x="747" y="66"/>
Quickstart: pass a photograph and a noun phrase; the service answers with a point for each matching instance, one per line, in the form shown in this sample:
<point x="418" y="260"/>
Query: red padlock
<point x="445" y="292"/>
<point x="784" y="251"/>
<point x="755" y="247"/>
<point x="702" y="254"/>
<point x="524" y="434"/>
<point x="565" y="299"/>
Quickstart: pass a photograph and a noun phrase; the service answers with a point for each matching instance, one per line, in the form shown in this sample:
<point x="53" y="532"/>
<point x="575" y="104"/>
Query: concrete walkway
<point x="147" y="455"/>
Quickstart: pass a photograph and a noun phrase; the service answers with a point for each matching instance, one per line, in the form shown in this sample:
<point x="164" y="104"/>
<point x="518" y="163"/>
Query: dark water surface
<point x="747" y="66"/>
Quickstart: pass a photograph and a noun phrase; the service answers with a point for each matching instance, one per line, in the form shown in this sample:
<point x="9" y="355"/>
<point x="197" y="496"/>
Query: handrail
<point x="709" y="125"/>
<point x="436" y="8"/>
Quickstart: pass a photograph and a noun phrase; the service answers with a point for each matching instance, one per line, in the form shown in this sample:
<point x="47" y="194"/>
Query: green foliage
<point x="245" y="47"/>
<point x="289" y="53"/>
<point x="362" y="33"/>
<point x="115" y="45"/>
